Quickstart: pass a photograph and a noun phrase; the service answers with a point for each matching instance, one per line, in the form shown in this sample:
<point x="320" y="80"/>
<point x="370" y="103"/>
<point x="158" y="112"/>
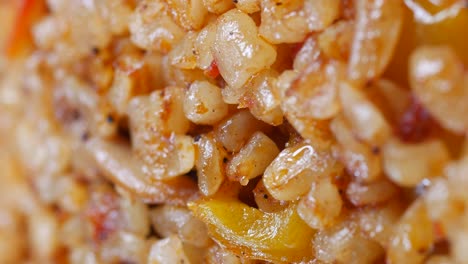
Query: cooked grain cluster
<point x="245" y="131"/>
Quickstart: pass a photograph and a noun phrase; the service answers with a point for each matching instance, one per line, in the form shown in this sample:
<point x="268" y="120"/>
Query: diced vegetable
<point x="279" y="236"/>
<point x="20" y="38"/>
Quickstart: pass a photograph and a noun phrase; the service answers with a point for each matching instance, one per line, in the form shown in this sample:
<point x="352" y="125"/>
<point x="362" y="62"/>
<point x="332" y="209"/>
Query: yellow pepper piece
<point x="279" y="236"/>
<point x="416" y="32"/>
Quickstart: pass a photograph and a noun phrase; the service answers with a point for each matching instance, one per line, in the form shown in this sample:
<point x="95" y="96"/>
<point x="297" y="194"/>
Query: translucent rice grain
<point x="335" y="41"/>
<point x="396" y="97"/>
<point x="218" y="6"/>
<point x="283" y="83"/>
<point x="184" y="157"/>
<point x="378" y="223"/>
<point x="265" y="201"/>
<point x="407" y="165"/>
<point x="310" y="128"/>
<point x="281" y="24"/>
<point x="313" y="94"/>
<point x="316" y="131"/>
<point x="290" y="21"/>
<point x="456" y="174"/>
<point x="252" y="159"/>
<point x="15" y="187"/>
<point x="83" y="254"/>
<point x="366" y="121"/>
<point x="444" y="209"/>
<point x="309" y="54"/>
<point x="203" y="103"/>
<point x="152" y="27"/>
<point x="217" y="255"/>
<point x="290" y="175"/>
<point x="344" y="243"/>
<point x="233" y="95"/>
<point x="320" y="14"/>
<point x="174" y="76"/>
<point x="413" y="236"/>
<point x="322" y="205"/>
<point x="71" y="195"/>
<point x="359" y="159"/>
<point x="203" y="46"/>
<point x="182" y="55"/>
<point x="45" y="32"/>
<point x="42" y="152"/>
<point x="135" y="215"/>
<point x="172" y="220"/>
<point x="124" y="245"/>
<point x="117" y="14"/>
<point x="248" y="6"/>
<point x="377" y="30"/>
<point x="374" y="193"/>
<point x="190" y="14"/>
<point x="117" y="164"/>
<point x="72" y="35"/>
<point x="235" y="131"/>
<point x="77" y="94"/>
<point x="155" y="122"/>
<point x="71" y="234"/>
<point x="438" y="198"/>
<point x="167" y="157"/>
<point x="43" y="227"/>
<point x="120" y="91"/>
<point x="237" y="37"/>
<point x="209" y="164"/>
<point x="261" y="98"/>
<point x="439" y="81"/>
<point x="129" y="79"/>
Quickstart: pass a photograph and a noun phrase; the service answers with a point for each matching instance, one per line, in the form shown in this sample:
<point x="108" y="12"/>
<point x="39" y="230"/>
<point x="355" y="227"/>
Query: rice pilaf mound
<point x="235" y="132"/>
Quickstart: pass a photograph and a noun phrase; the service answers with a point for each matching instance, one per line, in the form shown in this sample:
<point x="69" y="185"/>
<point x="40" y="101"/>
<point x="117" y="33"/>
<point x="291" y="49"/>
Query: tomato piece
<point x="278" y="236"/>
<point x="439" y="231"/>
<point x="416" y="123"/>
<point x="213" y="70"/>
<point x="19" y="39"/>
<point x="103" y="213"/>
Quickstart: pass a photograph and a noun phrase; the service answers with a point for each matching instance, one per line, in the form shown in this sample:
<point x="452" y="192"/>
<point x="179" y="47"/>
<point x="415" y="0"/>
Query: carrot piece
<point x="19" y="39"/>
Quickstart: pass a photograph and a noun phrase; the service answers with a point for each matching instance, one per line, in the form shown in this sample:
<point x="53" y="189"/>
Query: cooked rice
<point x="245" y="131"/>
